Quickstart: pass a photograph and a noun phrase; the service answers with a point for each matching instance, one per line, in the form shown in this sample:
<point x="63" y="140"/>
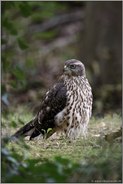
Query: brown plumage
<point x="66" y="107"/>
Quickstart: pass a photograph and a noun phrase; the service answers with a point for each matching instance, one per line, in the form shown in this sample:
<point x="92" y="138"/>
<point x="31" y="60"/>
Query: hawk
<point x="67" y="106"/>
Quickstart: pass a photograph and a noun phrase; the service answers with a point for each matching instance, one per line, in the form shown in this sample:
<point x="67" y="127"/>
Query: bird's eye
<point x="72" y="66"/>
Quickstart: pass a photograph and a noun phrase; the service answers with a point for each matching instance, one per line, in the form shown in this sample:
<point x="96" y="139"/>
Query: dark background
<point x="37" y="38"/>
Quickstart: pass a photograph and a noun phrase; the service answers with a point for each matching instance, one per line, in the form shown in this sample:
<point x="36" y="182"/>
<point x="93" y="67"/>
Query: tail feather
<point x="26" y="130"/>
<point x="33" y="130"/>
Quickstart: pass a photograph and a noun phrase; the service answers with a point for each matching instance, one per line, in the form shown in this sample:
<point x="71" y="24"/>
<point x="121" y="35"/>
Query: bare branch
<point x="58" y="20"/>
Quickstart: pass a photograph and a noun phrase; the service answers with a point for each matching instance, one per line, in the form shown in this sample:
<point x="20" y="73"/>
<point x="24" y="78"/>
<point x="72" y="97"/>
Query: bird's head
<point x="74" y="67"/>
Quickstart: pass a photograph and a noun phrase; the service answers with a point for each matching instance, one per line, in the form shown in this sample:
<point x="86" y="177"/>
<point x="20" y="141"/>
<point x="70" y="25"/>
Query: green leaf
<point x="7" y="5"/>
<point x="22" y="43"/>
<point x="18" y="73"/>
<point x="25" y="9"/>
<point x="49" y="129"/>
<point x="13" y="124"/>
<point x="9" y="25"/>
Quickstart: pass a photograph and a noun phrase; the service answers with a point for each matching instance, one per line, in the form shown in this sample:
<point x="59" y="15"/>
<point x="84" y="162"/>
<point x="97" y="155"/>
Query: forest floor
<point x="96" y="147"/>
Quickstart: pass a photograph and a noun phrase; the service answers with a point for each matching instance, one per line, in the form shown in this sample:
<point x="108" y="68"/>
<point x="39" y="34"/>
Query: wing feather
<point x="53" y="103"/>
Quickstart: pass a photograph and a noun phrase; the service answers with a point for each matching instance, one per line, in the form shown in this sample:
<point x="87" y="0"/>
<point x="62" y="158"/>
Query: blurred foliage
<point x="19" y="168"/>
<point x="37" y="37"/>
<point x="96" y="158"/>
<point x="20" y="66"/>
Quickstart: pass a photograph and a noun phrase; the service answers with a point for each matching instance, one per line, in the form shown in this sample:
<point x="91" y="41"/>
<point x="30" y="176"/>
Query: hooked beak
<point x="67" y="70"/>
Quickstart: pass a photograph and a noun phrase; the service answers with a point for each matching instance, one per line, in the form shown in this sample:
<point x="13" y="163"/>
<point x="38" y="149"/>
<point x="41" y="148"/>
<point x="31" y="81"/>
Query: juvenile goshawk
<point x="67" y="106"/>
